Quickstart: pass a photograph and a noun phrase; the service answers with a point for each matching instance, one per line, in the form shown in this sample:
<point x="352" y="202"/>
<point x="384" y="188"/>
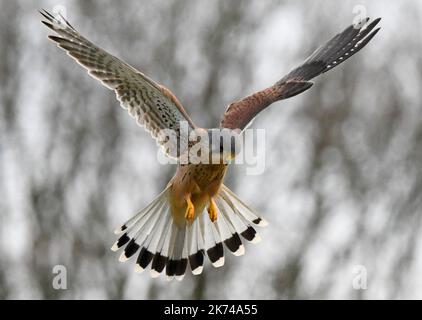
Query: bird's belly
<point x="201" y="182"/>
<point x="209" y="177"/>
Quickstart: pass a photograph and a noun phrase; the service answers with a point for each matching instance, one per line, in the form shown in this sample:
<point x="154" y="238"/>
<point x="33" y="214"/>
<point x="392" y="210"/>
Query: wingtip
<point x="263" y="223"/>
<point x="360" y="24"/>
<point x="54" y="38"/>
<point x="48" y="24"/>
<point x="42" y="11"/>
<point x="366" y="23"/>
<point x="377" y="20"/>
<point x="370" y="36"/>
<point x="47" y="15"/>
<point x="120" y="229"/>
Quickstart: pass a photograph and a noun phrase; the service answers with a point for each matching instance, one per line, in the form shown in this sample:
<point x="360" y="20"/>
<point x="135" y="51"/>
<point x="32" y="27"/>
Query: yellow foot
<point x="190" y="210"/>
<point x="212" y="210"/>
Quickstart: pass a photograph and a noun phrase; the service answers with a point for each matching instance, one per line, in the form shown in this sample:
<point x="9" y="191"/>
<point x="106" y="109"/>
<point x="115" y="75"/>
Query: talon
<point x="212" y="210"/>
<point x="190" y="209"/>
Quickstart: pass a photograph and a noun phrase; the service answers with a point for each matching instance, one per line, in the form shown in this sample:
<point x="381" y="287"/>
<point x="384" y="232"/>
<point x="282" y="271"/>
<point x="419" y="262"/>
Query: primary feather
<point x="337" y="50"/>
<point x="152" y="105"/>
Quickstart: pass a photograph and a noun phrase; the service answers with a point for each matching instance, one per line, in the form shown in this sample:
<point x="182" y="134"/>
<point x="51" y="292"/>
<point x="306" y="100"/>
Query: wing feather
<point x="152" y="105"/>
<point x="337" y="50"/>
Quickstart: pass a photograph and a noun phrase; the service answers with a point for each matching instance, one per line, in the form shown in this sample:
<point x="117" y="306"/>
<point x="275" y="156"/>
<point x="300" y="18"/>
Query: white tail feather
<point x="165" y="245"/>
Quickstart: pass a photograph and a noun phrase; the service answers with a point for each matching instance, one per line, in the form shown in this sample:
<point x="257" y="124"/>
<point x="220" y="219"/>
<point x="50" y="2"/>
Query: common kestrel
<point x="174" y="228"/>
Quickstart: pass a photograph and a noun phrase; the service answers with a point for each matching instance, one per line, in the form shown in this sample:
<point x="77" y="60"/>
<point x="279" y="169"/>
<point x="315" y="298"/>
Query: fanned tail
<point x="164" y="245"/>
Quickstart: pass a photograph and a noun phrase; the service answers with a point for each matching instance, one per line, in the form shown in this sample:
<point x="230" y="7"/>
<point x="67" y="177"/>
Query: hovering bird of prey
<point x="196" y="215"/>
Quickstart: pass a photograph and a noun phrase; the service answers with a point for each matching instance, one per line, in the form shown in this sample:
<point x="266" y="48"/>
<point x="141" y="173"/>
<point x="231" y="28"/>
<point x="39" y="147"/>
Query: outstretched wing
<point x="331" y="54"/>
<point x="152" y="105"/>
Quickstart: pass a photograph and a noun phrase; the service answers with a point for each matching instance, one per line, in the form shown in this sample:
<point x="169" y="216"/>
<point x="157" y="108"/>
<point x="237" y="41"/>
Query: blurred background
<point x="342" y="187"/>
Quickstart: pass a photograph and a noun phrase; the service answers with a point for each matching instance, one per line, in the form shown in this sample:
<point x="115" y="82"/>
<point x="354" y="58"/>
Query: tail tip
<point x="219" y="263"/>
<point x="139" y="269"/>
<point x="240" y="251"/>
<point x="154" y="273"/>
<point x="256" y="239"/>
<point x="197" y="271"/>
<point x="123" y="257"/>
<point x="180" y="278"/>
<point x="115" y="247"/>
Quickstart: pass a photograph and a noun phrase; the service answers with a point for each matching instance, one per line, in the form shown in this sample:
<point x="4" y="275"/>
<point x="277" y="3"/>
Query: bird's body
<point x="200" y="182"/>
<point x="174" y="228"/>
